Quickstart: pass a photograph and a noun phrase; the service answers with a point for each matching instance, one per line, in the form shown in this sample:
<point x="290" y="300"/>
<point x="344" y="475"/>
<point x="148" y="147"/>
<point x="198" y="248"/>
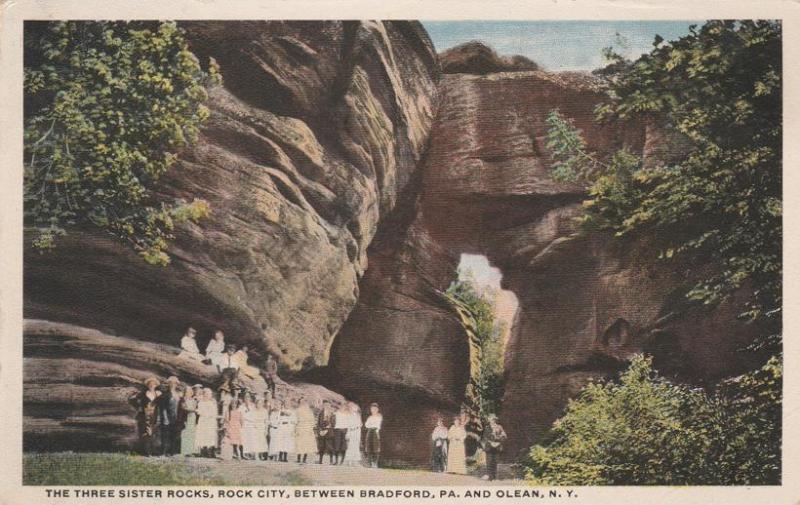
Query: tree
<point x="642" y="429"/>
<point x="108" y="105"/>
<point x="717" y="94"/>
<point x="476" y="309"/>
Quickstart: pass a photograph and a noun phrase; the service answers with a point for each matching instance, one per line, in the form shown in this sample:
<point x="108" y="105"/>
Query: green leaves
<point x="642" y="429"/>
<point x="108" y="106"/>
<point x="715" y="195"/>
<point x="476" y="310"/>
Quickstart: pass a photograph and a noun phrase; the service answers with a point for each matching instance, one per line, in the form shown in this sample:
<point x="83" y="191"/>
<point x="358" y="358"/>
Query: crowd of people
<point x="233" y="422"/>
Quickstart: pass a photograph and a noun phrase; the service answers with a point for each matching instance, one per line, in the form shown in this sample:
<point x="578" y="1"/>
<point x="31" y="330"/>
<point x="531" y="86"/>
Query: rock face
<point x="585" y="304"/>
<point x="77" y="381"/>
<point x="478" y="58"/>
<point x="316" y="131"/>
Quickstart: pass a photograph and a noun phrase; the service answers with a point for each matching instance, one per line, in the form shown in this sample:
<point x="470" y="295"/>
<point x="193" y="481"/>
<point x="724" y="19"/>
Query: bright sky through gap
<point x="558" y="45"/>
<point x="485" y="276"/>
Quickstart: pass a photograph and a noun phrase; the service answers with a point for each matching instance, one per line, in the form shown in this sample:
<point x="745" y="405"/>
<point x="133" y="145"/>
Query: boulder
<point x="77" y="381"/>
<point x="316" y="130"/>
<point x="475" y="57"/>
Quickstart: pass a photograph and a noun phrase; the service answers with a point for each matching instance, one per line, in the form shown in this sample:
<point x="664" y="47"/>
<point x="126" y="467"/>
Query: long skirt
<point x="206" y="433"/>
<point x="372" y="444"/>
<point x="306" y="441"/>
<point x="235" y="427"/>
<point x="339" y="440"/>
<point x="283" y="440"/>
<point x="439" y="456"/>
<point x="456" y="457"/>
<point x="325" y="443"/>
<point x="353" y="453"/>
<point x="188" y="435"/>
<point x="254" y="438"/>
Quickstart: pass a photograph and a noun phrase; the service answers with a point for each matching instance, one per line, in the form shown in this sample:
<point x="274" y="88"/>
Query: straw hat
<point x="149" y="380"/>
<point x="173" y="380"/>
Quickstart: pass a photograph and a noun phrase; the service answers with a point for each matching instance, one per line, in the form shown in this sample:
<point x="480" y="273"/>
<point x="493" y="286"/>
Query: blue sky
<point x="558" y="45"/>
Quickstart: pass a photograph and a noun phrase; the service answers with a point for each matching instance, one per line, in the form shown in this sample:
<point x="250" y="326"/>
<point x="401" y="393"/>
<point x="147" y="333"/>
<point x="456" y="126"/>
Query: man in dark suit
<point x="168" y="417"/>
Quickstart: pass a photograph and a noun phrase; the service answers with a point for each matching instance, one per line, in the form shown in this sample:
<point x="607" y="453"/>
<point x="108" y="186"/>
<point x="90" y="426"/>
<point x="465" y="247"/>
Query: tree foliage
<point x="643" y="429"/>
<point x="718" y="193"/>
<point x="108" y="107"/>
<point x="713" y="199"/>
<point x="476" y="308"/>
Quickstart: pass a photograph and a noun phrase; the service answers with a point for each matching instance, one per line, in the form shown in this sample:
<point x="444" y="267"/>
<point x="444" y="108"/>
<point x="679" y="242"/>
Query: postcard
<point x="464" y="252"/>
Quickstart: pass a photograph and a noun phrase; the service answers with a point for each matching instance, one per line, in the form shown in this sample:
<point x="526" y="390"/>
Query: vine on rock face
<point x="108" y="105"/>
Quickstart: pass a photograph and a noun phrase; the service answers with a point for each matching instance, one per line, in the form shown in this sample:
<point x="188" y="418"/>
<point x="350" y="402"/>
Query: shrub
<point x="642" y="429"/>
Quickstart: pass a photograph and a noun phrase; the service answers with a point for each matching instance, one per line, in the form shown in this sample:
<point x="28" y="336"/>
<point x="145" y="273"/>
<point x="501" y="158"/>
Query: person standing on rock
<point x="216" y="348"/>
<point x="372" y="441"/>
<point x="305" y="439"/>
<point x="270" y="373"/>
<point x="187" y="421"/>
<point x="325" y="436"/>
<point x="240" y="357"/>
<point x="147" y="404"/>
<point x="229" y="363"/>
<point x="456" y="454"/>
<point x="353" y="455"/>
<point x="206" y="436"/>
<point x="439" y="451"/>
<point x="189" y="347"/>
<point x="493" y="438"/>
<point x="168" y="417"/>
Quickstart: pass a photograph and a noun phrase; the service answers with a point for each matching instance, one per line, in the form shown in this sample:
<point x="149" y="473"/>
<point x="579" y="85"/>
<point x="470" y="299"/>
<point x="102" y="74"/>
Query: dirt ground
<point x="272" y="473"/>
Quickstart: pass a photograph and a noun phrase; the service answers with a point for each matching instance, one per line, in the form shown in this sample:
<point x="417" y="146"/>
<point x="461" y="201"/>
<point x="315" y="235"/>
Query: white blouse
<point x="374" y="421"/>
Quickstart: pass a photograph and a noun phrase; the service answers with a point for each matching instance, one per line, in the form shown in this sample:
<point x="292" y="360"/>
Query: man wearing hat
<point x="168" y="418"/>
<point x="147" y="405"/>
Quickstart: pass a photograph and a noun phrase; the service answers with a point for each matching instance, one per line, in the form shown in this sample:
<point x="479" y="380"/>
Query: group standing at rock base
<point x="235" y="423"/>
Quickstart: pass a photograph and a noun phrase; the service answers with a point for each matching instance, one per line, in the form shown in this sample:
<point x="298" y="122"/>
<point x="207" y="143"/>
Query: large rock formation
<point x="586" y="304"/>
<point x="314" y="134"/>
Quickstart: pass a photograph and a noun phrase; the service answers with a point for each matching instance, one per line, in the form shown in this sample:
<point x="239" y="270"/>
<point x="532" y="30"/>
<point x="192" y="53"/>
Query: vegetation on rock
<point x="476" y="309"/>
<point x="717" y="94"/>
<point x="715" y="200"/>
<point x="108" y="105"/>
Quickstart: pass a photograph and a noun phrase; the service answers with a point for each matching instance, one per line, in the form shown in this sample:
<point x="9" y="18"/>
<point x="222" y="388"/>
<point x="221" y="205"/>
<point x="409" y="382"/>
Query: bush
<point x="643" y="429"/>
<point x="107" y="107"/>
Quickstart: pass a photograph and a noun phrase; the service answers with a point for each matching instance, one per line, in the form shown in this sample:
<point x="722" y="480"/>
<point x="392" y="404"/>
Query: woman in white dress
<point x="254" y="420"/>
<point x="205" y="438"/>
<point x="215" y="349"/>
<point x="272" y="430"/>
<point x="284" y="434"/>
<point x="353" y="455"/>
<point x="456" y="454"/>
<point x="305" y="438"/>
